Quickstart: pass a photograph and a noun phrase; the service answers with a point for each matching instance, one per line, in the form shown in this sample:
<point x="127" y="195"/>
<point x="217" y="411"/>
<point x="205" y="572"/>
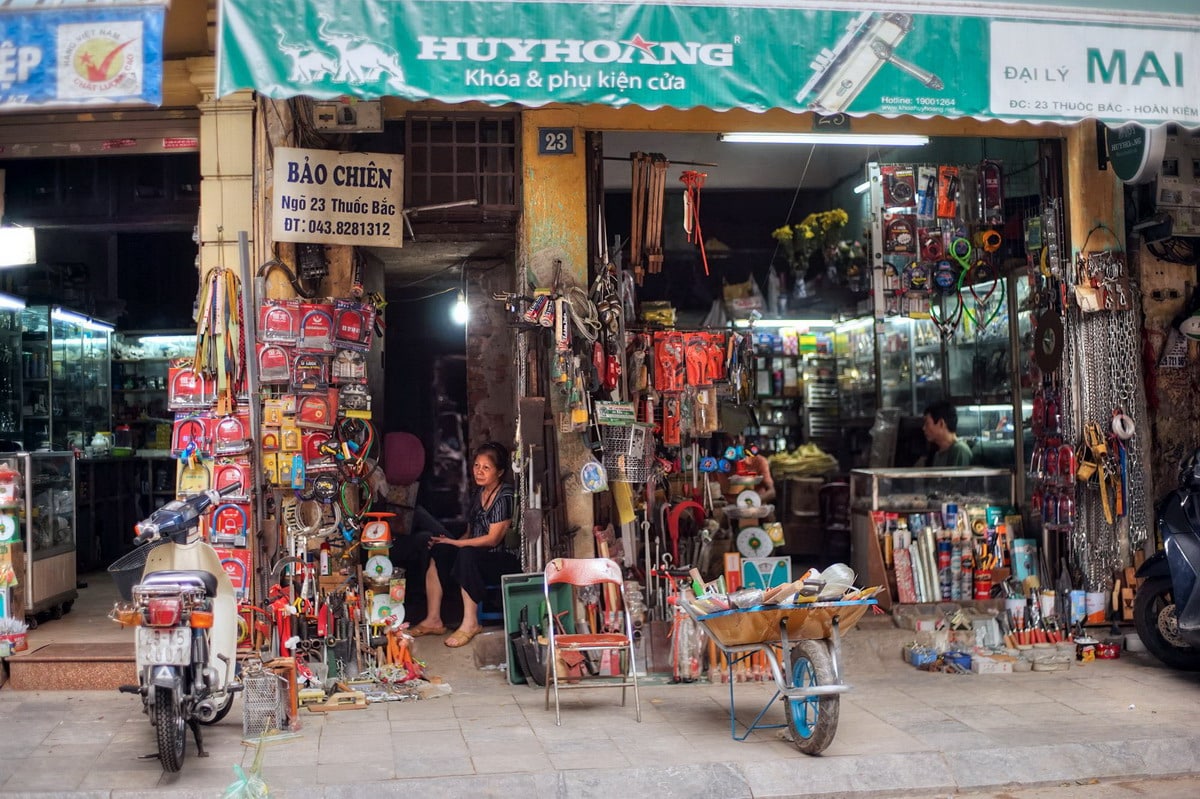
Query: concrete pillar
<point x="226" y="167"/>
<point x="1093" y="197"/>
<point x="554" y="227"/>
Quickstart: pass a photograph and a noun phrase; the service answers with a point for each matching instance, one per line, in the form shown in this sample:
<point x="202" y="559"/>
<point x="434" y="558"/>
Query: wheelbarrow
<point x="802" y="646"/>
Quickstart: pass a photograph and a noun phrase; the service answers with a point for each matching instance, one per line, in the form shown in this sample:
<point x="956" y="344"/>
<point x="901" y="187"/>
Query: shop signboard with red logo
<point x="97" y="55"/>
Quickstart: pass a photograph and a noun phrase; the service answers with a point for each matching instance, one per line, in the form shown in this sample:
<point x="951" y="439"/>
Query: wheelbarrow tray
<point x="761" y="624"/>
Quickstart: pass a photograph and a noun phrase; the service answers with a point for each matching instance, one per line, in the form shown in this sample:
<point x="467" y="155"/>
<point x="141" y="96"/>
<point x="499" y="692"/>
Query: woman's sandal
<point x="417" y="632"/>
<point x="460" y="638"/>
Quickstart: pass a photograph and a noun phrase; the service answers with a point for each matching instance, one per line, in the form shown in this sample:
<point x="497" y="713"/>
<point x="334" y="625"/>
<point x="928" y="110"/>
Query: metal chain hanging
<point x="1101" y="376"/>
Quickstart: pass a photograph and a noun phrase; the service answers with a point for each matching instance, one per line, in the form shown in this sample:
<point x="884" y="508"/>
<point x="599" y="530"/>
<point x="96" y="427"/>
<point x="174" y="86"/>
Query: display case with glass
<point x="854" y="347"/>
<point x="10" y="369"/>
<point x="979" y="364"/>
<point x="913" y="491"/>
<point x="139" y="379"/>
<point x="66" y="390"/>
<point x="910" y="364"/>
<point x="917" y="490"/>
<point x="39" y="509"/>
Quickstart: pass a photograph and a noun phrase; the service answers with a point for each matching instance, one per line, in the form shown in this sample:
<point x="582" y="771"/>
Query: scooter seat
<point x="197" y="579"/>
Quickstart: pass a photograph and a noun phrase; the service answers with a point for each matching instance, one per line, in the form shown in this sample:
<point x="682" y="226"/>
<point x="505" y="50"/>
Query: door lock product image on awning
<point x="870" y="41"/>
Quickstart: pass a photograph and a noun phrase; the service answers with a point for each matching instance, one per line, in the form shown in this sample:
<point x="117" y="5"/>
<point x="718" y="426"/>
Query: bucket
<point x="1085" y="649"/>
<point x="983" y="583"/>
<point x="1078" y="606"/>
<point x="1095" y="603"/>
<point x="1048" y="601"/>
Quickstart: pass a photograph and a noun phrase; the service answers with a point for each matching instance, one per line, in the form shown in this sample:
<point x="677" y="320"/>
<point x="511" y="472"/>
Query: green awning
<point x="1063" y="61"/>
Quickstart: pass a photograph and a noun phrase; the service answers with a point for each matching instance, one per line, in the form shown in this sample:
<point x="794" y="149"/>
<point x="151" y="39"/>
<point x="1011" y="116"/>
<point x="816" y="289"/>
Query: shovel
<point x="517" y="641"/>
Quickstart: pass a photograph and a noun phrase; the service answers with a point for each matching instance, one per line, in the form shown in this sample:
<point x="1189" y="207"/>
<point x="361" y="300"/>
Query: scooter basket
<point x="263" y="704"/>
<point x="126" y="570"/>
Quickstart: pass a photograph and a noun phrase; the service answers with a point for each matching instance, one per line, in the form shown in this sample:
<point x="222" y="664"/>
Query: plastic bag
<point x="246" y="786"/>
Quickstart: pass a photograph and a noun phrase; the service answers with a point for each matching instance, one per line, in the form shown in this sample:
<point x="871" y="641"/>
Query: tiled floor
<point x="900" y="729"/>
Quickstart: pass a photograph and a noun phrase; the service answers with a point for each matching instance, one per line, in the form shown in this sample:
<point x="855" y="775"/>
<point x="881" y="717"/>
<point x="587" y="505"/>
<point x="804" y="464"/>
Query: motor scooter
<point x="185" y="613"/>
<point x="1166" y="609"/>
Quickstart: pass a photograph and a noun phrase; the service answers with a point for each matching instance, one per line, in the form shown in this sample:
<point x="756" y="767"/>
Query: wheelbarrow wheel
<point x="813" y="720"/>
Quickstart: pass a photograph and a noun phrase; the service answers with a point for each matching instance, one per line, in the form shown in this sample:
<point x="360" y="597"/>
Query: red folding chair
<point x="579" y="572"/>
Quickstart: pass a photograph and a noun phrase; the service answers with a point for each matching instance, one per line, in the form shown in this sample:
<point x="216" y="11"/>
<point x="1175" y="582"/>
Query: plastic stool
<point x="489" y="611"/>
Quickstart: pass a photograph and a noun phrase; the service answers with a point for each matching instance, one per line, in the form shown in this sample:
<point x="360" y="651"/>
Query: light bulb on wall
<point x="459" y="312"/>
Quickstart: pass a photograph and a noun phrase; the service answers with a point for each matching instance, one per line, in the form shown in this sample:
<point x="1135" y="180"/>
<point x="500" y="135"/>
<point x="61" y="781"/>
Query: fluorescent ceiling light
<point x="10" y="303"/>
<point x="796" y="323"/>
<point x="87" y="322"/>
<point x="863" y="188"/>
<point x="878" y="139"/>
<point x="17" y="246"/>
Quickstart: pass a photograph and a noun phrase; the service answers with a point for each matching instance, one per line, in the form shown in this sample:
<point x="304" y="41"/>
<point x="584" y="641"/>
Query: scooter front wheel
<point x="170" y="729"/>
<point x="1154" y="615"/>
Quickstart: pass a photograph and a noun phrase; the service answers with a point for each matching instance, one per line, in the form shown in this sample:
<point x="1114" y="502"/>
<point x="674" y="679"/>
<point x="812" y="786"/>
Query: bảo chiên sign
<point x="330" y="197"/>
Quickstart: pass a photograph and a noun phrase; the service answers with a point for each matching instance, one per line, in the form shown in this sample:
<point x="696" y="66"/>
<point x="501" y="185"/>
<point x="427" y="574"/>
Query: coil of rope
<point x="584" y="315"/>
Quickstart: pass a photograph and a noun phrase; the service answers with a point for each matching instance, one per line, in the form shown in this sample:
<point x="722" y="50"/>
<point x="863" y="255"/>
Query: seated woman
<point x="479" y="558"/>
<point x="746" y="463"/>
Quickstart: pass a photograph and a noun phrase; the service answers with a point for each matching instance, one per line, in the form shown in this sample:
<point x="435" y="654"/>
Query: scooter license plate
<point x="164" y="647"/>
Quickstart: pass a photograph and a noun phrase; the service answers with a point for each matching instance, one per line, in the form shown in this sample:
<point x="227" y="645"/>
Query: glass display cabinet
<point x="854" y="347"/>
<point x="66" y="390"/>
<point x="914" y="491"/>
<point x="10" y="371"/>
<point x="910" y="364"/>
<point x="37" y="511"/>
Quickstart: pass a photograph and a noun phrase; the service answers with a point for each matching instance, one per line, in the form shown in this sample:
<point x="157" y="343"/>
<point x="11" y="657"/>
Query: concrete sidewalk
<point x="902" y="731"/>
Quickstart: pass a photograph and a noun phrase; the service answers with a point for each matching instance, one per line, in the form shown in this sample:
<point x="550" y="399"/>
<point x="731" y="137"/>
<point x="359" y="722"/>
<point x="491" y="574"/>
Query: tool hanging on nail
<point x="649" y="184"/>
<point x="693" y="181"/>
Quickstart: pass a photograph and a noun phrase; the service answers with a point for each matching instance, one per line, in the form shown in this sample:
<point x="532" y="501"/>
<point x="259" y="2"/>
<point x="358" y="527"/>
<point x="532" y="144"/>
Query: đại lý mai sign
<point x="331" y="197"/>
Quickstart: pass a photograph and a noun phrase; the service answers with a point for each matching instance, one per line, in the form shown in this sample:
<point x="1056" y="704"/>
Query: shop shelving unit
<point x="910" y="365"/>
<point x="139" y="379"/>
<point x="66" y="394"/>
<point x="10" y="374"/>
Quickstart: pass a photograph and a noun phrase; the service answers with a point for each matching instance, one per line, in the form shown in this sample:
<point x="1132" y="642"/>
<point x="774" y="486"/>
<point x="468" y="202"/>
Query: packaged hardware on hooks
<point x="274" y="364"/>
<point x="279" y="321"/>
<point x="1101" y="278"/>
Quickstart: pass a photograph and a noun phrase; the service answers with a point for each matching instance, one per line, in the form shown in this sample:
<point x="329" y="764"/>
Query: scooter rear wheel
<point x="1154" y="616"/>
<point x="170" y="730"/>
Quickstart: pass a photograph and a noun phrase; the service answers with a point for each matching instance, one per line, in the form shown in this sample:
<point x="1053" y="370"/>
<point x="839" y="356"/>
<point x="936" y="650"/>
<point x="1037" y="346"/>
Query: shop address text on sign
<point x="330" y="197"/>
